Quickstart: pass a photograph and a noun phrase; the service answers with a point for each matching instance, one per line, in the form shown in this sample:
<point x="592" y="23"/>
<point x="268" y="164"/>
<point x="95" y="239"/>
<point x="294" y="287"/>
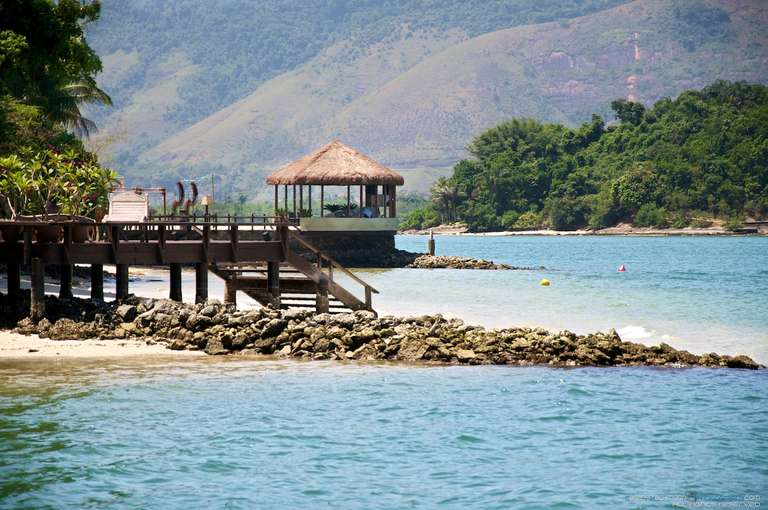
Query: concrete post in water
<point x="97" y="282"/>
<point x="37" y="297"/>
<point x="65" y="282"/>
<point x="175" y="292"/>
<point x="230" y="292"/>
<point x="431" y="243"/>
<point x="121" y="281"/>
<point x="14" y="280"/>
<point x="201" y="282"/>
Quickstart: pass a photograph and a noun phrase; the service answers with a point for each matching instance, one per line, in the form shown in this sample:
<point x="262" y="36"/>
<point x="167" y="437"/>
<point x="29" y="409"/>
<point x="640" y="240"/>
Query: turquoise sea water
<point x="217" y="433"/>
<point x="252" y="433"/>
<point x="698" y="293"/>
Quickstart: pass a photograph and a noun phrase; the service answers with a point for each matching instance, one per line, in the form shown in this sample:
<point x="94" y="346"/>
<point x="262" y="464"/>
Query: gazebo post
<point x="393" y="202"/>
<point x="309" y="200"/>
<point x="362" y="201"/>
<point x="294" y="200"/>
<point x="349" y="207"/>
<point x="285" y="199"/>
<point x="322" y="200"/>
<point x="385" y="192"/>
<point x="301" y="199"/>
<point x="277" y="204"/>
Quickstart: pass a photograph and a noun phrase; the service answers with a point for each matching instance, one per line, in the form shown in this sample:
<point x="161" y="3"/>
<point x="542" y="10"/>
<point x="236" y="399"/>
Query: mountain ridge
<point x="415" y="100"/>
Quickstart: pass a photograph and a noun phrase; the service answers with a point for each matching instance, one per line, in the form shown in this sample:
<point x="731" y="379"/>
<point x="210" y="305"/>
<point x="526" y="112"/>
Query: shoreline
<point x="619" y="230"/>
<point x="16" y="346"/>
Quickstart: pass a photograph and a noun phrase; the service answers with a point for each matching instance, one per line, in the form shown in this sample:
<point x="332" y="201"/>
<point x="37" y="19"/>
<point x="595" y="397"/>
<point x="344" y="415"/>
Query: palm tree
<point x="64" y="104"/>
<point x="446" y="194"/>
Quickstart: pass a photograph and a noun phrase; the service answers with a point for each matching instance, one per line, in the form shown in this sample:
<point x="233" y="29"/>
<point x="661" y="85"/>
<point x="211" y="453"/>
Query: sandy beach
<point x="14" y="345"/>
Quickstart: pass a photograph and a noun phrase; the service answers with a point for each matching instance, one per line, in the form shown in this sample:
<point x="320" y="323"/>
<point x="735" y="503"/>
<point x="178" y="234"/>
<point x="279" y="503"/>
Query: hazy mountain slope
<point x="411" y="105"/>
<point x="555" y="72"/>
<point x="169" y="64"/>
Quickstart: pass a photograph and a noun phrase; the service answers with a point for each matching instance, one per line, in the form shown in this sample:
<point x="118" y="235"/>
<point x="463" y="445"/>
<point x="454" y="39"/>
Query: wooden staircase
<point x="295" y="283"/>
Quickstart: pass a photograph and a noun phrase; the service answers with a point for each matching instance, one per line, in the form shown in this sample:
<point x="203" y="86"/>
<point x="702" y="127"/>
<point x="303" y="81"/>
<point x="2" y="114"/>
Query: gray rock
<point x="126" y="312"/>
<point x="273" y="328"/>
<point x="215" y="346"/>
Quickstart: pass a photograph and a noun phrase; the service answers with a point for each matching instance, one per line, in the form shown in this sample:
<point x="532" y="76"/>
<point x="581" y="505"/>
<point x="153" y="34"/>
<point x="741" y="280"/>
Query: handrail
<point x="320" y="253"/>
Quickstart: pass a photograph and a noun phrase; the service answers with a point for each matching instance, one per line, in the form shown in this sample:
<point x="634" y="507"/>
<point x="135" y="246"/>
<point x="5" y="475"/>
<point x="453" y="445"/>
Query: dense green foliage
<point x="683" y="162"/>
<point x="47" y="71"/>
<point x="45" y="61"/>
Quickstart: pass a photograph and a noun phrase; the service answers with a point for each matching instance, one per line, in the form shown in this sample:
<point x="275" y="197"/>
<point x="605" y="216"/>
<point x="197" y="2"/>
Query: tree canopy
<point x="682" y="162"/>
<point x="45" y="60"/>
<point x="47" y="72"/>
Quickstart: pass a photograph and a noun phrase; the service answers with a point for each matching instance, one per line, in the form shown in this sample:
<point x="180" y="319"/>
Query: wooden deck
<point x="265" y="268"/>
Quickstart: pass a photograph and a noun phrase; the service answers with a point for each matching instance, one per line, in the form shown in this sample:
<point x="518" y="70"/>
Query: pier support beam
<point x="230" y="292"/>
<point x="37" y="296"/>
<point x="175" y="292"/>
<point x="273" y="282"/>
<point x="14" y="280"/>
<point x="65" y="281"/>
<point x="121" y="281"/>
<point x="322" y="305"/>
<point x="201" y="282"/>
<point x="97" y="282"/>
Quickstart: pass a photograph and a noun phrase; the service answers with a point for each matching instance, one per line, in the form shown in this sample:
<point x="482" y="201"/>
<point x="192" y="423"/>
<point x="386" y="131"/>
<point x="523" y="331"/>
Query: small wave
<point x="635" y="332"/>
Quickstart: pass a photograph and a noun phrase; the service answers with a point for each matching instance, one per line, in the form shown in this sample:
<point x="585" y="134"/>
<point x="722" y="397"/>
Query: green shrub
<point x="528" y="221"/>
<point x="649" y="215"/>
<point x="509" y="219"/>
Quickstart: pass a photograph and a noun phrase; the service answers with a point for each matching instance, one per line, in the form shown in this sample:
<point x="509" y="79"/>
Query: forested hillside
<point x="238" y="88"/>
<point x="682" y="162"/>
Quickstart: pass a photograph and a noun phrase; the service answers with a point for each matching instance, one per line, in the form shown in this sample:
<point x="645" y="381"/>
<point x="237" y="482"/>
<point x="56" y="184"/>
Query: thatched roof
<point x="335" y="164"/>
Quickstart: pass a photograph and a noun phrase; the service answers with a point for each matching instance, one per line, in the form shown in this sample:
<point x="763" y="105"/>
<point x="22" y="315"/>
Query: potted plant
<point x="16" y="189"/>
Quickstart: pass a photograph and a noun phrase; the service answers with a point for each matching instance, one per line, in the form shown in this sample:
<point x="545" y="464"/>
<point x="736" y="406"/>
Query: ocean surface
<point x="253" y="433"/>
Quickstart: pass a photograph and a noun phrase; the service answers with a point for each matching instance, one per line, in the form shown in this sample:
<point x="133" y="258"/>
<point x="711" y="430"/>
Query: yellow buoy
<point x="544" y="282"/>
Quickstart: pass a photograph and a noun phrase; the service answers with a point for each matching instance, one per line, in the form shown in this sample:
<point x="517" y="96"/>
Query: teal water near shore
<point x="697" y="293"/>
<point x="233" y="433"/>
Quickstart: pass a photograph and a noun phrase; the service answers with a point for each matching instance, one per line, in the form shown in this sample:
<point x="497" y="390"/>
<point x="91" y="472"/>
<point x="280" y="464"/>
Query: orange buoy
<point x="622" y="269"/>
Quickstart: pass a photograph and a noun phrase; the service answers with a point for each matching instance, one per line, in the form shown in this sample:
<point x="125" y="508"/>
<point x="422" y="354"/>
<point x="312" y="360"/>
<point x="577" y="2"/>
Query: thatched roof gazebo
<point x="336" y="164"/>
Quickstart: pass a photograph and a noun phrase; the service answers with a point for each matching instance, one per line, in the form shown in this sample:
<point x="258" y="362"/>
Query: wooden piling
<point x="14" y="280"/>
<point x="65" y="281"/>
<point x="273" y="282"/>
<point x="201" y="282"/>
<point x="37" y="297"/>
<point x="97" y="282"/>
<point x="230" y="291"/>
<point x="175" y="292"/>
<point x="121" y="281"/>
<point x="322" y="304"/>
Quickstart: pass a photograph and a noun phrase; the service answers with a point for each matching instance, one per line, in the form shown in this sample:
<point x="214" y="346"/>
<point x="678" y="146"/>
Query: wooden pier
<point x="253" y="256"/>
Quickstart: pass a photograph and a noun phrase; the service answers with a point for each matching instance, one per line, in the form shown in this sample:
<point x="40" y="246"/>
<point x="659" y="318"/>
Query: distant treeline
<point x="688" y="161"/>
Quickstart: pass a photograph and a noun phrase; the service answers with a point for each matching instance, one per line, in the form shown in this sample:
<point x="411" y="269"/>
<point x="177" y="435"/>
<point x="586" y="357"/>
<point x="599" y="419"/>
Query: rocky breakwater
<point x="216" y="329"/>
<point x="452" y="262"/>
